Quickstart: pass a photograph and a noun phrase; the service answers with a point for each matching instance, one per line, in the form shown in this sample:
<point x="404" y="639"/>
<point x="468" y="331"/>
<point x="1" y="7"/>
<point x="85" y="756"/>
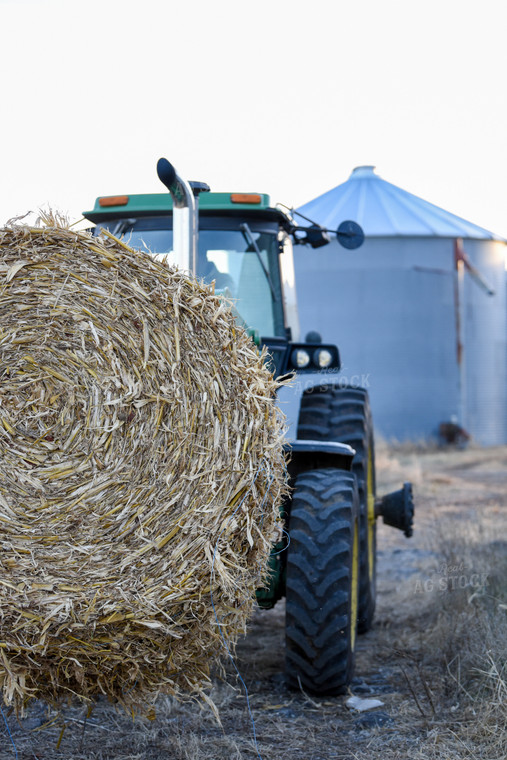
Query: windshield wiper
<point x="122" y="226"/>
<point x="247" y="232"/>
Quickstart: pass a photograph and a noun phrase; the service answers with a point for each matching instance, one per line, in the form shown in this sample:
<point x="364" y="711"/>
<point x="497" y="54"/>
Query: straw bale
<point x="140" y="471"/>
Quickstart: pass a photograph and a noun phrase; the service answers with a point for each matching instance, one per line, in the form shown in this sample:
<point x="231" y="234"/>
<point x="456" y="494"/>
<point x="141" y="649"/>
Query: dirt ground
<point x="435" y="657"/>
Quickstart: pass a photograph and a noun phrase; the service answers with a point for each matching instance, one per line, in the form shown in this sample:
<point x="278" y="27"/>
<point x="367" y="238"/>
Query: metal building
<point x="418" y="312"/>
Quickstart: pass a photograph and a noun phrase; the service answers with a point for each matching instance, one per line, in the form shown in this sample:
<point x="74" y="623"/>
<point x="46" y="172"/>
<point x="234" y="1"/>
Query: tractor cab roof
<point x="250" y="205"/>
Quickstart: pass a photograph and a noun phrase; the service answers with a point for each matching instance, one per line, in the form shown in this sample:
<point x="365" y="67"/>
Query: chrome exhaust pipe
<point x="185" y="222"/>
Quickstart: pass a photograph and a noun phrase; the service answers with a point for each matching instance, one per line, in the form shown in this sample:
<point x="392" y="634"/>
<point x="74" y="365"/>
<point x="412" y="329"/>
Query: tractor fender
<point x="307" y="455"/>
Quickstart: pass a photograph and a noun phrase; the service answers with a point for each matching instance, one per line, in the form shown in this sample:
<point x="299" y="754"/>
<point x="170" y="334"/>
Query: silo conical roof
<point x="385" y="210"/>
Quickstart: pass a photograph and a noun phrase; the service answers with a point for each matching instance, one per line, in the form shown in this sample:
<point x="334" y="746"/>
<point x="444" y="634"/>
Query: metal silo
<point x="418" y="311"/>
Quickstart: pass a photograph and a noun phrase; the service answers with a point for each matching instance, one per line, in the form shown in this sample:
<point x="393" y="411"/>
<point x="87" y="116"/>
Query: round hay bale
<point x="141" y="467"/>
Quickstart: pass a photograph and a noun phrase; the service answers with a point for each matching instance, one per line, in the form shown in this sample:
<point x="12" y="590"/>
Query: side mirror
<point x="350" y="235"/>
<point x="316" y="237"/>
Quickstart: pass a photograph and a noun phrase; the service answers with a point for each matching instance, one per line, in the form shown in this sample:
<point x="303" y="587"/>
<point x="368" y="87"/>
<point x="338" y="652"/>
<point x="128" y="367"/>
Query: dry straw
<point x="140" y="470"/>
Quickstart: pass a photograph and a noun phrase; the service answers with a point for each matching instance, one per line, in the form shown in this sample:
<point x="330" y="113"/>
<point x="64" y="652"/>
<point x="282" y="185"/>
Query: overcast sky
<point x="276" y="96"/>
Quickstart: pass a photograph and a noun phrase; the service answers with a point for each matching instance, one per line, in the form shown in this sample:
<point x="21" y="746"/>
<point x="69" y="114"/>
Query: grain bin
<point x="418" y="311"/>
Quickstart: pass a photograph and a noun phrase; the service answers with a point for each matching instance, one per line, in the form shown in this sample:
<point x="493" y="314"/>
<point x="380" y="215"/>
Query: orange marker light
<point x="114" y="200"/>
<point x="245" y="198"/>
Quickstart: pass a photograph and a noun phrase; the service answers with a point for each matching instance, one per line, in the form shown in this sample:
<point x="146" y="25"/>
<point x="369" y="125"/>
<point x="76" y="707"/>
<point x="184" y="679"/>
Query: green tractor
<point x="327" y="568"/>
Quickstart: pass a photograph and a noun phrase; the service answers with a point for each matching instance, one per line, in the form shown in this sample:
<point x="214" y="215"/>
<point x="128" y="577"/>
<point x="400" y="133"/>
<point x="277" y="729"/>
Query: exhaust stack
<point x="185" y="222"/>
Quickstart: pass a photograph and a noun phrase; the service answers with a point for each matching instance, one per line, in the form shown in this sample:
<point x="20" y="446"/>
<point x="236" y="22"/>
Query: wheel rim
<point x="354" y="593"/>
<point x="370" y="498"/>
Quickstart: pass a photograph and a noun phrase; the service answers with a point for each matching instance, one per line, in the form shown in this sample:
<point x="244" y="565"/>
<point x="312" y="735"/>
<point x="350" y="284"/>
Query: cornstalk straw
<point x="140" y="471"/>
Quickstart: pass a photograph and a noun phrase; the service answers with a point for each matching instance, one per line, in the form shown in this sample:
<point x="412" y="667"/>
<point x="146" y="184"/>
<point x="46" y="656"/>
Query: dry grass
<point x="468" y="638"/>
<point x="452" y="648"/>
<point x="141" y="468"/>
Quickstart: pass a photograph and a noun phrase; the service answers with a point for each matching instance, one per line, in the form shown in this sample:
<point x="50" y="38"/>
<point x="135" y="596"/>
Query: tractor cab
<point x="243" y="246"/>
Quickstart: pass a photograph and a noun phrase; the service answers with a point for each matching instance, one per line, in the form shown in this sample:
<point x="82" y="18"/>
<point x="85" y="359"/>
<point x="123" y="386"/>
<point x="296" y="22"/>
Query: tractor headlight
<point x="308" y="357"/>
<point x="322" y="358"/>
<point x="300" y="358"/>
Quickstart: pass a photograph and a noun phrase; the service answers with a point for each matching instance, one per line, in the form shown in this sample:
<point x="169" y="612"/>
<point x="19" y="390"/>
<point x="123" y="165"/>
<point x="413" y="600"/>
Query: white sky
<point x="277" y="96"/>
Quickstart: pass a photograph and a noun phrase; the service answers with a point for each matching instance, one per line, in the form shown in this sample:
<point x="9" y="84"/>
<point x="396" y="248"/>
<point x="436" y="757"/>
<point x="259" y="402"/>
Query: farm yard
<point x="435" y="657"/>
<point x="321" y="271"/>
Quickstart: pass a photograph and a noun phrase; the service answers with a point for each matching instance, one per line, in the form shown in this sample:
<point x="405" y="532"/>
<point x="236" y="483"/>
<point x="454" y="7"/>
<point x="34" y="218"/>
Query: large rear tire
<point x="322" y="581"/>
<point x="343" y="414"/>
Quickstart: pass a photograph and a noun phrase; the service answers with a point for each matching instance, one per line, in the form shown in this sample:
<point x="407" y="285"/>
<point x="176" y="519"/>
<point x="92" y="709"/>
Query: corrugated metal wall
<point x="485" y="345"/>
<point x="390" y="307"/>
